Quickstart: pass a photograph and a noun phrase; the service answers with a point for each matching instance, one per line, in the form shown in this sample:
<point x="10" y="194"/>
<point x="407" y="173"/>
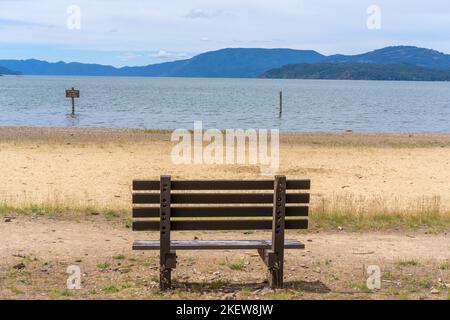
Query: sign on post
<point x="72" y="93"/>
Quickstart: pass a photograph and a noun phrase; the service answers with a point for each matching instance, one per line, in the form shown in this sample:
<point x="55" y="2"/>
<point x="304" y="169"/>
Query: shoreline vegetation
<point x="68" y="173"/>
<point x="343" y="138"/>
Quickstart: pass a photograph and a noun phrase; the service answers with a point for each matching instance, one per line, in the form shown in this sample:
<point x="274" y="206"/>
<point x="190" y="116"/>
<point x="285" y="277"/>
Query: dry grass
<point x="360" y="213"/>
<point x="340" y="211"/>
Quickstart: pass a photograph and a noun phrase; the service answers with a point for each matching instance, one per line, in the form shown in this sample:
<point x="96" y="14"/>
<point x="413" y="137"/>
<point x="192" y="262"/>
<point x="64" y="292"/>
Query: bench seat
<point x="214" y="244"/>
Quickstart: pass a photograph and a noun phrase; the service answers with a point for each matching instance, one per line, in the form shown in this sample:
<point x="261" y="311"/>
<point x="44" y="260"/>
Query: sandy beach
<point x="95" y="167"/>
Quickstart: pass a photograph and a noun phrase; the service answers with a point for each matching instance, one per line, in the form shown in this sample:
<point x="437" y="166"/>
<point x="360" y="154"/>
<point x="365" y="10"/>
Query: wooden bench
<point x="167" y="205"/>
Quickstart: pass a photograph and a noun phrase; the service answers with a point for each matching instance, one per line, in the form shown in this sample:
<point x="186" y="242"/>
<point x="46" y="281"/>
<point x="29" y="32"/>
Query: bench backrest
<point x="167" y="204"/>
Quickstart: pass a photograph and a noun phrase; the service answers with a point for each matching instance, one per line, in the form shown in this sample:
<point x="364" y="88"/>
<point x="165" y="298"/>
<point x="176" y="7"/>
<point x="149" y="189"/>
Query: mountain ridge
<point x="423" y="57"/>
<point x="235" y="63"/>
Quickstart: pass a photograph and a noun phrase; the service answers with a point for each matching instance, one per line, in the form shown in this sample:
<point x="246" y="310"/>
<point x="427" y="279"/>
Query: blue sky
<point x="140" y="32"/>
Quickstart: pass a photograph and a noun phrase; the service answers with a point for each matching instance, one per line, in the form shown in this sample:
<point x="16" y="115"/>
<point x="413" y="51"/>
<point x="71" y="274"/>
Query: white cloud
<point x="127" y="56"/>
<point x="162" y="54"/>
<point x="328" y="26"/>
<point x="198" y="13"/>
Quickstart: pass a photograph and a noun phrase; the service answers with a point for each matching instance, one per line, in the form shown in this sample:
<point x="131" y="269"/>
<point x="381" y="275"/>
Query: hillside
<point x="38" y="67"/>
<point x="357" y="71"/>
<point x="238" y="63"/>
<point x="5" y="71"/>
<point x="422" y="57"/>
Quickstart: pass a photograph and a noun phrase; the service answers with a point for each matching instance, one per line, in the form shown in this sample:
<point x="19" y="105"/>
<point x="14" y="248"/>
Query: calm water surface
<point x="309" y="105"/>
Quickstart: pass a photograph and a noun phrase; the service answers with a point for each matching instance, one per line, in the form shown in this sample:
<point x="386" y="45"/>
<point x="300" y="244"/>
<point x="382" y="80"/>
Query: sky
<point x="141" y="32"/>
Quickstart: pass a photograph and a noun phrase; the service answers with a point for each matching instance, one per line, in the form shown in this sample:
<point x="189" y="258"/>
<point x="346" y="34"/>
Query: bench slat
<point x="231" y="211"/>
<point x="225" y="198"/>
<point x="214" y="244"/>
<point x="219" y="225"/>
<point x="299" y="184"/>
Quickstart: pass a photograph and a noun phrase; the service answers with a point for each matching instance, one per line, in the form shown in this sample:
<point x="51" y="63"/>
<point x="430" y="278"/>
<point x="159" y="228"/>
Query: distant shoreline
<point x="337" y="138"/>
<point x="220" y="78"/>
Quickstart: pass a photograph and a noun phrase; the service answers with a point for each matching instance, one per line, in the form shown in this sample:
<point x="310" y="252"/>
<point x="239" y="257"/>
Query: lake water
<point x="309" y="105"/>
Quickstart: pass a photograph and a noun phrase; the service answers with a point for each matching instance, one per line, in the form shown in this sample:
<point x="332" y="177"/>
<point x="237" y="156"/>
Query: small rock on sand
<point x="262" y="290"/>
<point x="435" y="291"/>
<point x="19" y="266"/>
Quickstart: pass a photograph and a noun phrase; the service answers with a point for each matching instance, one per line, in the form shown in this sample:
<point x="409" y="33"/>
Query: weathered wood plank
<point x="214" y="244"/>
<point x="296" y="224"/>
<point x="219" y="225"/>
<point x="221" y="184"/>
<point x="304" y="184"/>
<point x="225" y="211"/>
<point x="266" y="184"/>
<point x="213" y="198"/>
<point x="143" y="198"/>
<point x="145" y="185"/>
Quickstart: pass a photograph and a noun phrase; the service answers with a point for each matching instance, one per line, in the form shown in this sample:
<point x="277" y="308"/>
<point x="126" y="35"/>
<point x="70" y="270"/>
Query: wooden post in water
<point x="281" y="102"/>
<point x="72" y="93"/>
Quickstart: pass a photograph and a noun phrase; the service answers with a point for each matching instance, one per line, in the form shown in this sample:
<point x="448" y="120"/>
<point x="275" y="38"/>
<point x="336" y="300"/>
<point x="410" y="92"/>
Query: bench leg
<point x="278" y="225"/>
<point x="274" y="265"/>
<point x="165" y="281"/>
<point x="167" y="258"/>
<point x="262" y="254"/>
<point x="276" y="274"/>
<point x="168" y="263"/>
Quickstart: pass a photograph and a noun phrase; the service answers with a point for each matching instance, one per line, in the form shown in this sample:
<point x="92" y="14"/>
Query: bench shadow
<point x="224" y="286"/>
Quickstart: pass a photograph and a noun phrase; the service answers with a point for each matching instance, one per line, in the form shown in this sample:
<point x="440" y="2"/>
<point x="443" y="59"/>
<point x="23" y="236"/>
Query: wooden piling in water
<point x="281" y="102"/>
